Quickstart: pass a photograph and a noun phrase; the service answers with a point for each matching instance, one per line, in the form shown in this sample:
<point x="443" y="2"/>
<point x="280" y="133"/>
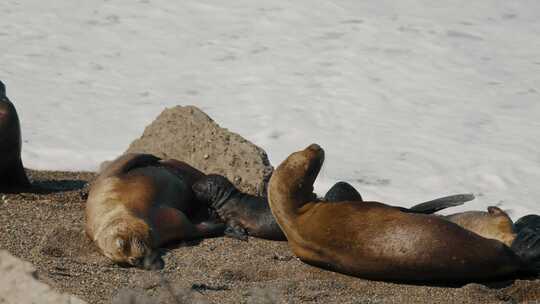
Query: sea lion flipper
<point x="441" y="203"/>
<point x="236" y="231"/>
<point x="210" y="228"/>
<point x="342" y="191"/>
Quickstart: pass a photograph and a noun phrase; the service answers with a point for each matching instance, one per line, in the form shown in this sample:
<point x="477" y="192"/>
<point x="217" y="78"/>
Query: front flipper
<point x="433" y="206"/>
<point x="210" y="228"/>
<point x="236" y="231"/>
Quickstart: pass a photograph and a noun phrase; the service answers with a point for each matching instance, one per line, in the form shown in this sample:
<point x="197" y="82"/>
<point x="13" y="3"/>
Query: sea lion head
<point x="2" y="89"/>
<point x="129" y="242"/>
<point x="214" y="190"/>
<point x="301" y="168"/>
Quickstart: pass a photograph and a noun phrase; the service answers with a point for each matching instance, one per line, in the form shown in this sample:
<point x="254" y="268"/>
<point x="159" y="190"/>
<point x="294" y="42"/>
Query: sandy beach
<point x="46" y="229"/>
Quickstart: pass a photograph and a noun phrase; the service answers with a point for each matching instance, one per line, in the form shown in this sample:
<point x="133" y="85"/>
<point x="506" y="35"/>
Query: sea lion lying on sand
<point x="139" y="203"/>
<point x="343" y="191"/>
<point x="12" y="175"/>
<point x="376" y="241"/>
<point x="247" y="214"/>
<point x="493" y="224"/>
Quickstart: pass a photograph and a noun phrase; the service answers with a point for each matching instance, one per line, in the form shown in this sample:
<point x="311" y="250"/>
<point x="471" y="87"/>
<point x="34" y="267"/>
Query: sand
<point x="46" y="229"/>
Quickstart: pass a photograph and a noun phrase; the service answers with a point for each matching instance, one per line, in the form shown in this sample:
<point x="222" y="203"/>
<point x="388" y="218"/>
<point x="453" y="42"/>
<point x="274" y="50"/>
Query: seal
<point x="12" y="175"/>
<point x="343" y="191"/>
<point x="244" y="214"/>
<point x="139" y="203"/>
<point x="375" y="241"/>
<point x="247" y="214"/>
<point x="493" y="224"/>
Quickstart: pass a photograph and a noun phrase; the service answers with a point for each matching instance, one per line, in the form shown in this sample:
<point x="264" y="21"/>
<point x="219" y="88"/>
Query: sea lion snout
<point x="314" y="147"/>
<point x="316" y="152"/>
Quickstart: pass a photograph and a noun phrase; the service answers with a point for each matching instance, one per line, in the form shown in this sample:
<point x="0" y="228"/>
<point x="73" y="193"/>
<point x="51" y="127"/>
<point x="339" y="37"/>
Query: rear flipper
<point x="531" y="221"/>
<point x="526" y="245"/>
<point x="433" y="206"/>
<point x="342" y="191"/>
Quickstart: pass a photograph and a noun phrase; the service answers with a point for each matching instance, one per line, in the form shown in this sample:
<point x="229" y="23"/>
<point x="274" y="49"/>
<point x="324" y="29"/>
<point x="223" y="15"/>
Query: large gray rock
<point x="19" y="284"/>
<point x="188" y="134"/>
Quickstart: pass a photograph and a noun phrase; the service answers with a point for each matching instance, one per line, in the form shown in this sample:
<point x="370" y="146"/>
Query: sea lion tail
<point x="435" y="205"/>
<point x="526" y="245"/>
<point x="531" y="221"/>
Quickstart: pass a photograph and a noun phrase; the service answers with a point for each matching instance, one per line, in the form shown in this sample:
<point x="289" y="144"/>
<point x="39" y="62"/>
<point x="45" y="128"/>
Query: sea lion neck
<point x="215" y="190"/>
<point x="289" y="188"/>
<point x="221" y="196"/>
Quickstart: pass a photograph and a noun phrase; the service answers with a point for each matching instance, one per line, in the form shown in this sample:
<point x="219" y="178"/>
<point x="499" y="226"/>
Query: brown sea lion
<point x="247" y="214"/>
<point x="139" y="203"/>
<point x="493" y="224"/>
<point x="375" y="241"/>
<point x="343" y="191"/>
<point x="12" y="175"/>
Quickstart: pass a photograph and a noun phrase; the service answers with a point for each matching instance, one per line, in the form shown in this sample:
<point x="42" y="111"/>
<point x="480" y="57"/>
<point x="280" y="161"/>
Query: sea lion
<point x="493" y="224"/>
<point x="139" y="203"/>
<point x="343" y="191"/>
<point x="243" y="213"/>
<point x="12" y="175"/>
<point x="376" y="241"/>
<point x="247" y="214"/>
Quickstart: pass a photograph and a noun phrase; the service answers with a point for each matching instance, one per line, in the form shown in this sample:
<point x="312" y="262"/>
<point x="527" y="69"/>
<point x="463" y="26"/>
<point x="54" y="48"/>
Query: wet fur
<point x="376" y="241"/>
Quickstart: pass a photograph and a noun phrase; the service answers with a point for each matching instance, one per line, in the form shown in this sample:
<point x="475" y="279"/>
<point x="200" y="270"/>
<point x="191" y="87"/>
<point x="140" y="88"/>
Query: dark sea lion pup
<point x="12" y="175"/>
<point x="244" y="214"/>
<point x="376" y="241"/>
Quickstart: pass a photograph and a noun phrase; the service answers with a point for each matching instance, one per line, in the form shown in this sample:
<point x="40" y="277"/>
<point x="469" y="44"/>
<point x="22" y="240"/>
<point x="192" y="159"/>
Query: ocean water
<point x="411" y="100"/>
